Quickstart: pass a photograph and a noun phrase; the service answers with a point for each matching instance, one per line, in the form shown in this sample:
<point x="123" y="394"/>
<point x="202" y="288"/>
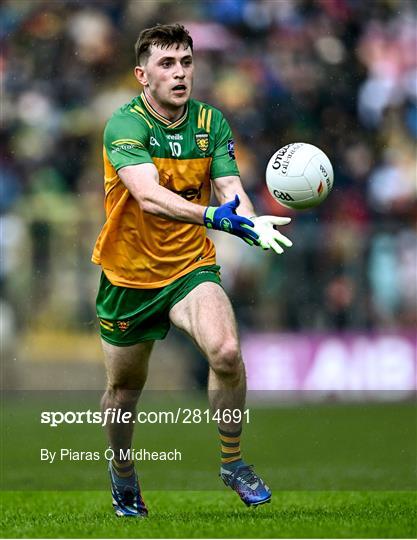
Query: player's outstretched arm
<point x="142" y="181"/>
<point x="225" y="189"/>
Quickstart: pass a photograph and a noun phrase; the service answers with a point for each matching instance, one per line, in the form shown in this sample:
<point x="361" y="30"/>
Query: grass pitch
<point x="212" y="515"/>
<point x="336" y="471"/>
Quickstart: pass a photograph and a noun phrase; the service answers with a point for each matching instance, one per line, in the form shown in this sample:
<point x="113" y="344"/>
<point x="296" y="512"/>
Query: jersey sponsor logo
<point x="176" y="137"/>
<point x="126" y="144"/>
<point x="124" y="147"/>
<point x="153" y="142"/>
<point x="202" y="141"/>
<point x="190" y="194"/>
<point x="123" y="325"/>
<point x="231" y="148"/>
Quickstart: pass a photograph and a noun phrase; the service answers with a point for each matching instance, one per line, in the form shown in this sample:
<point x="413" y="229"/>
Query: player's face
<point x="168" y="75"/>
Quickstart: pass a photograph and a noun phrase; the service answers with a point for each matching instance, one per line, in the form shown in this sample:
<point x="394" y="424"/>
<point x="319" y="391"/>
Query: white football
<point x="299" y="175"/>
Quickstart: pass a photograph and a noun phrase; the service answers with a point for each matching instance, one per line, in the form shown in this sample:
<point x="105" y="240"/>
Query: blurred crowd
<point x="340" y="74"/>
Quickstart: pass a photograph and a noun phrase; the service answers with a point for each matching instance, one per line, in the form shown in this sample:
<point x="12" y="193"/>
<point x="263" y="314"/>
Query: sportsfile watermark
<point x="58" y="440"/>
<point x="181" y="415"/>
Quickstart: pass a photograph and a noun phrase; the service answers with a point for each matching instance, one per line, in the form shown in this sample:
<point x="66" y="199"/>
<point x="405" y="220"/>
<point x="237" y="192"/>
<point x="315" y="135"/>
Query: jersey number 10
<point x="175" y="148"/>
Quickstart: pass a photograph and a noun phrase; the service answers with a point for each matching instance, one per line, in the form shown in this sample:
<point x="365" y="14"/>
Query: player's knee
<point x="121" y="396"/>
<point x="227" y="361"/>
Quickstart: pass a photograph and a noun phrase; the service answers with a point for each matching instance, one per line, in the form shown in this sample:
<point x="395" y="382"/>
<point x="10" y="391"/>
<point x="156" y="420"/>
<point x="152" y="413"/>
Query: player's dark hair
<point x="161" y="35"/>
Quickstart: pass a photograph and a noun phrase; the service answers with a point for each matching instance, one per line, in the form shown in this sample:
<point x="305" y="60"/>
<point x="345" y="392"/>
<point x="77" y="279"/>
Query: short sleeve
<point x="126" y="141"/>
<point x="224" y="160"/>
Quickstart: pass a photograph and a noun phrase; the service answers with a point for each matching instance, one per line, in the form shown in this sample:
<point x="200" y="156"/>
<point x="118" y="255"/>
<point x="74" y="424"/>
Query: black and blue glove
<point x="224" y="218"/>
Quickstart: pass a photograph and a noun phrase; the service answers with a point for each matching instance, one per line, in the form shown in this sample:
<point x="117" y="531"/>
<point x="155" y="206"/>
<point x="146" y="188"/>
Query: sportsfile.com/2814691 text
<point x="180" y="415"/>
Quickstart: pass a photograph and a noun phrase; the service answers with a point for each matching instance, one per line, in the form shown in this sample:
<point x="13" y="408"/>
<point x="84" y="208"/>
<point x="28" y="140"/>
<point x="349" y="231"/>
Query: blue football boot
<point x="248" y="485"/>
<point x="127" y="498"/>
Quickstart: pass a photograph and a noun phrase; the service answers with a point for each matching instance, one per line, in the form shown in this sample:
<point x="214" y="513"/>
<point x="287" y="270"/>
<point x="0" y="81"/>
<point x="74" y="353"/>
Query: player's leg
<point x="126" y="369"/>
<point x="130" y="321"/>
<point x="206" y="314"/>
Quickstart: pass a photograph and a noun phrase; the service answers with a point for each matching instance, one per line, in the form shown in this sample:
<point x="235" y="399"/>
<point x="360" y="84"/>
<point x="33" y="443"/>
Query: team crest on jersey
<point x="202" y="141"/>
<point x="123" y="325"/>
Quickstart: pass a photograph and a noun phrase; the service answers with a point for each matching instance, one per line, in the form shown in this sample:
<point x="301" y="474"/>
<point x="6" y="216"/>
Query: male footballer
<point x="163" y="153"/>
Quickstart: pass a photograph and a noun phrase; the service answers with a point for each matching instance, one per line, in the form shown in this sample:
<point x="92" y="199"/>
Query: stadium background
<point x="340" y="74"/>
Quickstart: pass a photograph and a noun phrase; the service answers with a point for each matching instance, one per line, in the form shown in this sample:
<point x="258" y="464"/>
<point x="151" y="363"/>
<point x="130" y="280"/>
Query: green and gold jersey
<point x="141" y="250"/>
